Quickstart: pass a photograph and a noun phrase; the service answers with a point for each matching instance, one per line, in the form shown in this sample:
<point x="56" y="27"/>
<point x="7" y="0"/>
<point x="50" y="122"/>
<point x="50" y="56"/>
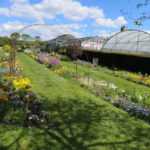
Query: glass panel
<point x="129" y="41"/>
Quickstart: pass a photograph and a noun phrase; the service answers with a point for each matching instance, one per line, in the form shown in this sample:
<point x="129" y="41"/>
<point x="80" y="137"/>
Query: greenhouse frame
<point x="129" y="42"/>
<point x="128" y="49"/>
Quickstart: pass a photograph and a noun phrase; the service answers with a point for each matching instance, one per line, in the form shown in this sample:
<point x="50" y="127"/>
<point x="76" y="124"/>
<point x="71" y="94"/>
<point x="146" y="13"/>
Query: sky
<point x="78" y="17"/>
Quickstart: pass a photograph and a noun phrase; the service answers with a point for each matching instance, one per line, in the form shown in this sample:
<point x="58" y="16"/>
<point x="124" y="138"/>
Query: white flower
<point x="140" y="97"/>
<point x="102" y="83"/>
<point x="123" y="91"/>
<point x="112" y="86"/>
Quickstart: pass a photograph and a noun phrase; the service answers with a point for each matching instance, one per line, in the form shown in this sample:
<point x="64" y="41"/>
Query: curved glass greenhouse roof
<point x="130" y="42"/>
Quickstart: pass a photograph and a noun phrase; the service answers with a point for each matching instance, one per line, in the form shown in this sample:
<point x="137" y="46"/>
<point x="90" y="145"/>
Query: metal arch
<point x="130" y="34"/>
<point x="13" y="53"/>
<point x="32" y="25"/>
<point x="122" y="32"/>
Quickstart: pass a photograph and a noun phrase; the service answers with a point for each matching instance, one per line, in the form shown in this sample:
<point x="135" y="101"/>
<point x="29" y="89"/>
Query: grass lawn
<point x="118" y="131"/>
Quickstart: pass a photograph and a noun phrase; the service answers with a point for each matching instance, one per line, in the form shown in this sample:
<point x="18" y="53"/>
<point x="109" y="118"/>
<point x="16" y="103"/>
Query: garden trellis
<point x="12" y="59"/>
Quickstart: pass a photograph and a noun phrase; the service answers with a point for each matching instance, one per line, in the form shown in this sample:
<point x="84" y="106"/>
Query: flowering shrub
<point x="133" y="109"/>
<point x="43" y="58"/>
<point x="139" y="78"/>
<point x="31" y="53"/>
<point x="147" y="80"/>
<point x="135" y="77"/>
<point x="53" y="62"/>
<point x="62" y="71"/>
<point x="21" y="83"/>
<point x="110" y="92"/>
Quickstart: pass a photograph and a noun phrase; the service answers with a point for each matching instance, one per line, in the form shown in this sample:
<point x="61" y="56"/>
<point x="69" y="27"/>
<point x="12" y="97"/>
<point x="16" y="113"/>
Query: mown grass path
<point x="50" y="85"/>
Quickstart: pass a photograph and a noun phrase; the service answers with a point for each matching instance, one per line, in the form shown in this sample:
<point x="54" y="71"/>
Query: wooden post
<point x="12" y="59"/>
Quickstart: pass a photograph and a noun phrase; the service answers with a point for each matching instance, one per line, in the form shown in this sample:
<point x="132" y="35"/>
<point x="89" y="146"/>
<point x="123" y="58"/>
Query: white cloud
<point x="22" y="9"/>
<point x="50" y="9"/>
<point x="10" y="27"/>
<point x="111" y="23"/>
<point x="44" y="31"/>
<point x="71" y="9"/>
<point x="105" y="33"/>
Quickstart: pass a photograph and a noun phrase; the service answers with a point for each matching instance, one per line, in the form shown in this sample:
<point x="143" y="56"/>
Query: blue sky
<point x="77" y="17"/>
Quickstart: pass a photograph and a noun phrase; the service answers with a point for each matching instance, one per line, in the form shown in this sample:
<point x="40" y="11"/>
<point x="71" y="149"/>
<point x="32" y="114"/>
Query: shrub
<point x="3" y="95"/>
<point x="65" y="58"/>
<point x="49" y="60"/>
<point x="43" y="58"/>
<point x="53" y="62"/>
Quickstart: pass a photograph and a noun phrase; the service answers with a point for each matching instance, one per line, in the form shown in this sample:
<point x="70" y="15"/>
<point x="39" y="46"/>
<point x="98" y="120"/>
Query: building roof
<point x="129" y="42"/>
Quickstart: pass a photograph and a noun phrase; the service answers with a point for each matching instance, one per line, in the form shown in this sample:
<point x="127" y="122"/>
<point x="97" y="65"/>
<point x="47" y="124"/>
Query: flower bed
<point x="118" y="97"/>
<point x="53" y="62"/>
<point x="50" y="61"/>
<point x="18" y="104"/>
<point x="134" y="77"/>
<point x="133" y="109"/>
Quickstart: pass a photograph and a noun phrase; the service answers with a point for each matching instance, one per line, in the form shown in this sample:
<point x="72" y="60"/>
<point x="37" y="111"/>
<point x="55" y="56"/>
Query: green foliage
<point x="4" y="41"/>
<point x="4" y="54"/>
<point x="7" y="48"/>
<point x="26" y="37"/>
<point x="65" y="58"/>
<point x="15" y="35"/>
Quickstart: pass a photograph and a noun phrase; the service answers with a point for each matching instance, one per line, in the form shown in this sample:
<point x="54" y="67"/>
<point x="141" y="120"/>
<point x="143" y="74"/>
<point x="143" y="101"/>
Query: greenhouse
<point x="130" y="42"/>
<point x="128" y="49"/>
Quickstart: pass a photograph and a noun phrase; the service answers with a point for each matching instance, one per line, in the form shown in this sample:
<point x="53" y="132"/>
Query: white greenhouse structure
<point x="129" y="49"/>
<point x="130" y="42"/>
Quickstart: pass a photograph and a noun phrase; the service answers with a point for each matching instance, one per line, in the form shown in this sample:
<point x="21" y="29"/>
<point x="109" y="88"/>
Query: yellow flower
<point x="147" y="81"/>
<point x="134" y="76"/>
<point x="21" y="83"/>
<point x="60" y="71"/>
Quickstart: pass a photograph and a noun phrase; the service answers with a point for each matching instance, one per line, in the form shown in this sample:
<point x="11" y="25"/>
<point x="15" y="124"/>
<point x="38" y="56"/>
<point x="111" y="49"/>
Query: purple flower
<point x="54" y="61"/>
<point x="45" y="58"/>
